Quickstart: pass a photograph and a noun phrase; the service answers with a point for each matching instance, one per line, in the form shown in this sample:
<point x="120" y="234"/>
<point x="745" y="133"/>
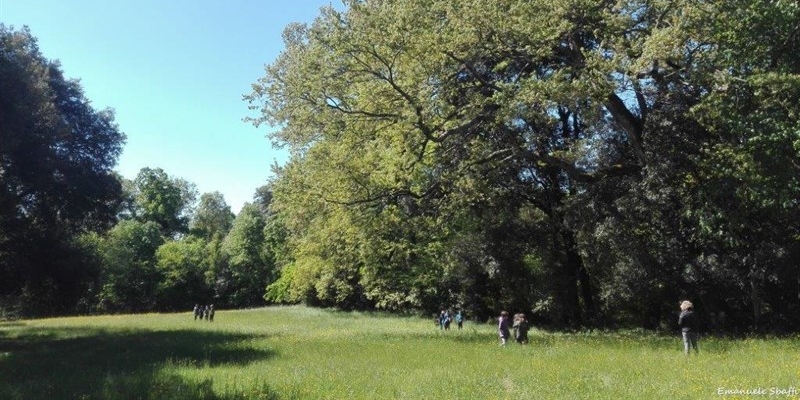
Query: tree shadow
<point x="87" y="363"/>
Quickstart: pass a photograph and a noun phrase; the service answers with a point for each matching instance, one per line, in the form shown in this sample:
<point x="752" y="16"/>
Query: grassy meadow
<point x="305" y="353"/>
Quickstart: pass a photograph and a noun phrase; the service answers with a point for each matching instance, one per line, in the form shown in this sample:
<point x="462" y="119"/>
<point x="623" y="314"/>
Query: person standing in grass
<point x="459" y="319"/>
<point x="502" y="328"/>
<point x="689" y="326"/>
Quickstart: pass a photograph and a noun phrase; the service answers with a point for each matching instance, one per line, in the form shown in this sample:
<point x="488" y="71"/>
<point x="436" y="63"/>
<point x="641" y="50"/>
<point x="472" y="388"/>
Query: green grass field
<point x="304" y="353"/>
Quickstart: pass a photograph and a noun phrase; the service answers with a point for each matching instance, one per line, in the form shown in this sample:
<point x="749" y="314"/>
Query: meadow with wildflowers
<point x="305" y="353"/>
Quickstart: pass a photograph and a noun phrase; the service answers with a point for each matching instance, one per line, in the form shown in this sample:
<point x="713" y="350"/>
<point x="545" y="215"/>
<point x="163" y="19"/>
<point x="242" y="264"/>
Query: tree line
<point x="588" y="162"/>
<point x="75" y="237"/>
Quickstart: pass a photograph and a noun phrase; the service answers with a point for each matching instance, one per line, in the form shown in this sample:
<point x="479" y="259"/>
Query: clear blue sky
<point x="175" y="72"/>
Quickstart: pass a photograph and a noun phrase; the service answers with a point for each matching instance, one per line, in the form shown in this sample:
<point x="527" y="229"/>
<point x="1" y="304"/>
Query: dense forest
<point x="589" y="162"/>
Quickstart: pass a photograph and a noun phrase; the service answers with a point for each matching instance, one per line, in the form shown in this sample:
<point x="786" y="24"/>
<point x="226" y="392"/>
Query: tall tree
<point x="746" y="204"/>
<point x="165" y="200"/>
<point x="56" y="156"/>
<point x="130" y="276"/>
<point x="212" y="219"/>
<point x="243" y="282"/>
<point x="182" y="266"/>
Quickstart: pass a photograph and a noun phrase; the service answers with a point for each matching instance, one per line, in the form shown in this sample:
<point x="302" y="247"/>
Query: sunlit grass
<point x="305" y="353"/>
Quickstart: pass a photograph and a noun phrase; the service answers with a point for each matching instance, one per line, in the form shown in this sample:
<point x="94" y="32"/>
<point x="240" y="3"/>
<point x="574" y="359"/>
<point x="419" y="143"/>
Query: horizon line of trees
<point x="75" y="237"/>
<point x="588" y="162"/>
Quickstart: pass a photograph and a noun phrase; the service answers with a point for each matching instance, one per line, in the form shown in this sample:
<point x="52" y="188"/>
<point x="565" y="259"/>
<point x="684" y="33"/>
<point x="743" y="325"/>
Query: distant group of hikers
<point x="445" y="317"/>
<point x="202" y="312"/>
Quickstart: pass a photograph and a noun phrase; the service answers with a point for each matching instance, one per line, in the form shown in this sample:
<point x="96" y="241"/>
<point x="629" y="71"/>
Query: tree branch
<point x="629" y="123"/>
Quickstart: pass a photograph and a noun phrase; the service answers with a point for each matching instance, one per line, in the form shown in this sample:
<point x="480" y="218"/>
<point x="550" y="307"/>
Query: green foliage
<point x="588" y="162"/>
<point x="212" y="218"/>
<point x="182" y="266"/>
<point x="745" y="185"/>
<point x="248" y="267"/>
<point x="56" y="156"/>
<point x="57" y="151"/>
<point x="130" y="276"/>
<point x="642" y="152"/>
<point x="164" y="200"/>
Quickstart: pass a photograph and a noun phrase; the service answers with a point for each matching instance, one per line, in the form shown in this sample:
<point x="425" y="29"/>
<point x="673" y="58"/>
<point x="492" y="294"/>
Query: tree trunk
<point x="579" y="276"/>
<point x="755" y="298"/>
<point x="572" y="274"/>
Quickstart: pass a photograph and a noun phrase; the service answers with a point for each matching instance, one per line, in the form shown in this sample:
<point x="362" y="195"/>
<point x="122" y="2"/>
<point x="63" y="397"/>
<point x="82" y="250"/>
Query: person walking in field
<point x="211" y="313"/>
<point x="442" y="319"/>
<point x="520" y="328"/>
<point x="459" y="319"/>
<point x="502" y="328"/>
<point x="689" y="327"/>
<point x="196" y="311"/>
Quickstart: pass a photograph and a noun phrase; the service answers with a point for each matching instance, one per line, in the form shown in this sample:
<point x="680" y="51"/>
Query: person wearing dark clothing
<point x="502" y="328"/>
<point x="689" y="327"/>
<point x="520" y="328"/>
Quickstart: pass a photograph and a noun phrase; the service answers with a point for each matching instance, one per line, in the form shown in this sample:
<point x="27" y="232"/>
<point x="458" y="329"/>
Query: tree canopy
<point x="56" y="180"/>
<point x="584" y="160"/>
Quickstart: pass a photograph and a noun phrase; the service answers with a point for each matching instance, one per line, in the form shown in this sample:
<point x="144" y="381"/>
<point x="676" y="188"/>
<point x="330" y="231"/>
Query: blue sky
<point x="175" y="72"/>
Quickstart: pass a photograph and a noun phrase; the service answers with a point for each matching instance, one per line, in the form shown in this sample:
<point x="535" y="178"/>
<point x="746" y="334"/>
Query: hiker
<point x="196" y="311"/>
<point x="689" y="326"/>
<point x="459" y="320"/>
<point x="447" y="320"/>
<point x="521" y="328"/>
<point x="211" y="313"/>
<point x="502" y="327"/>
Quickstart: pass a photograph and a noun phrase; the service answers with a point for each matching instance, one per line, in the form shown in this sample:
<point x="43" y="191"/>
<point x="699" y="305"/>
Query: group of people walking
<point x="445" y="318"/>
<point x="519" y="326"/>
<point x="204" y="312"/>
<point x="687" y="321"/>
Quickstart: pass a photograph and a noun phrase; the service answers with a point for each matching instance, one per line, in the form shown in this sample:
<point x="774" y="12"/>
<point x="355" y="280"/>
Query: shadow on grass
<point x="84" y="363"/>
